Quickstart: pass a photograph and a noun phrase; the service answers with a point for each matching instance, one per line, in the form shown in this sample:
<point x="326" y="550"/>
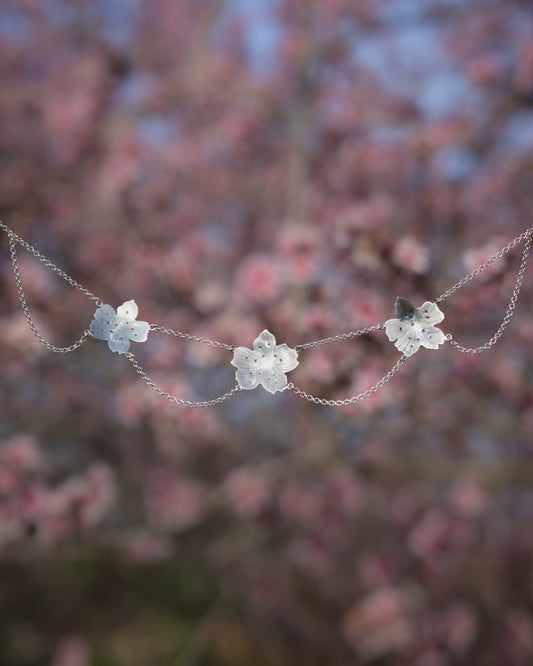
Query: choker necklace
<point x="267" y="363"/>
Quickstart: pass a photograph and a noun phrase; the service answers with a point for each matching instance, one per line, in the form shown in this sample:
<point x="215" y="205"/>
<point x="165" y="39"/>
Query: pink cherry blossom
<point x="259" y="279"/>
<point x="411" y="255"/>
<point x="173" y="503"/>
<point x="291" y="166"/>
<point x="247" y="492"/>
<point x="380" y="624"/>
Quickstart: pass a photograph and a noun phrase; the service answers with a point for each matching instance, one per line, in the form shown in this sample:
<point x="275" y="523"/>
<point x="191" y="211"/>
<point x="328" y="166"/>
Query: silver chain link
<point x="526" y="236"/>
<point x="355" y="398"/>
<point x="516" y="241"/>
<point x="179" y="401"/>
<point x="514" y="298"/>
<point x="192" y="338"/>
<point x="13" y="239"/>
<point x="342" y="336"/>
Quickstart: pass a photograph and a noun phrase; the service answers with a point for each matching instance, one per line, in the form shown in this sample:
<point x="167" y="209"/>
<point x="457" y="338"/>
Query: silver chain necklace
<point x="267" y="363"/>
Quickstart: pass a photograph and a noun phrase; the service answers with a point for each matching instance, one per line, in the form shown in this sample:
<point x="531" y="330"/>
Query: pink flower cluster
<point x="31" y="506"/>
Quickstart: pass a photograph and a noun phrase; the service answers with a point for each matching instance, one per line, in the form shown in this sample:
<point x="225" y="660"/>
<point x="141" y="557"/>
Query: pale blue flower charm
<point x="265" y="364"/>
<point x="415" y="327"/>
<point x="119" y="327"/>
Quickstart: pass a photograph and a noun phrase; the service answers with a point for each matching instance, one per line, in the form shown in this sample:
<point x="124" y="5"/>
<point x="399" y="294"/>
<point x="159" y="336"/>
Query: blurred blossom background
<point x="295" y="165"/>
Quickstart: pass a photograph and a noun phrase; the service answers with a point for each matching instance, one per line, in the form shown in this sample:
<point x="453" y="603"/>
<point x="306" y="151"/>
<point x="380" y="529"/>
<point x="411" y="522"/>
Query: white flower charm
<point x="119" y="327"/>
<point x="415" y="326"/>
<point x="266" y="364"/>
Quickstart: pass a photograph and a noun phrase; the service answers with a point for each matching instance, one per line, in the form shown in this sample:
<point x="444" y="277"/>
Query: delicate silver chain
<point x="179" y="401"/>
<point x="514" y="298"/>
<point x="526" y="236"/>
<point x="355" y="398"/>
<point x="13" y="239"/>
<point x="342" y="336"/>
<point x="516" y="241"/>
<point x="192" y="338"/>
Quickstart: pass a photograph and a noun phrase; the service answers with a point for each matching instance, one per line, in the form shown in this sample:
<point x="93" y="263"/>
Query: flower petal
<point x="247" y="379"/>
<point x="394" y="328"/>
<point x="409" y="341"/>
<point x="285" y="358"/>
<point x="119" y="345"/>
<point x="101" y="329"/>
<point x="429" y="313"/>
<point x="128" y="310"/>
<point x="121" y="332"/>
<point x="431" y="337"/>
<point x="138" y="330"/>
<point x="104" y="322"/>
<point x="265" y="343"/>
<point x="404" y="308"/>
<point x="273" y="381"/>
<point x="105" y="313"/>
<point x="244" y="358"/>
